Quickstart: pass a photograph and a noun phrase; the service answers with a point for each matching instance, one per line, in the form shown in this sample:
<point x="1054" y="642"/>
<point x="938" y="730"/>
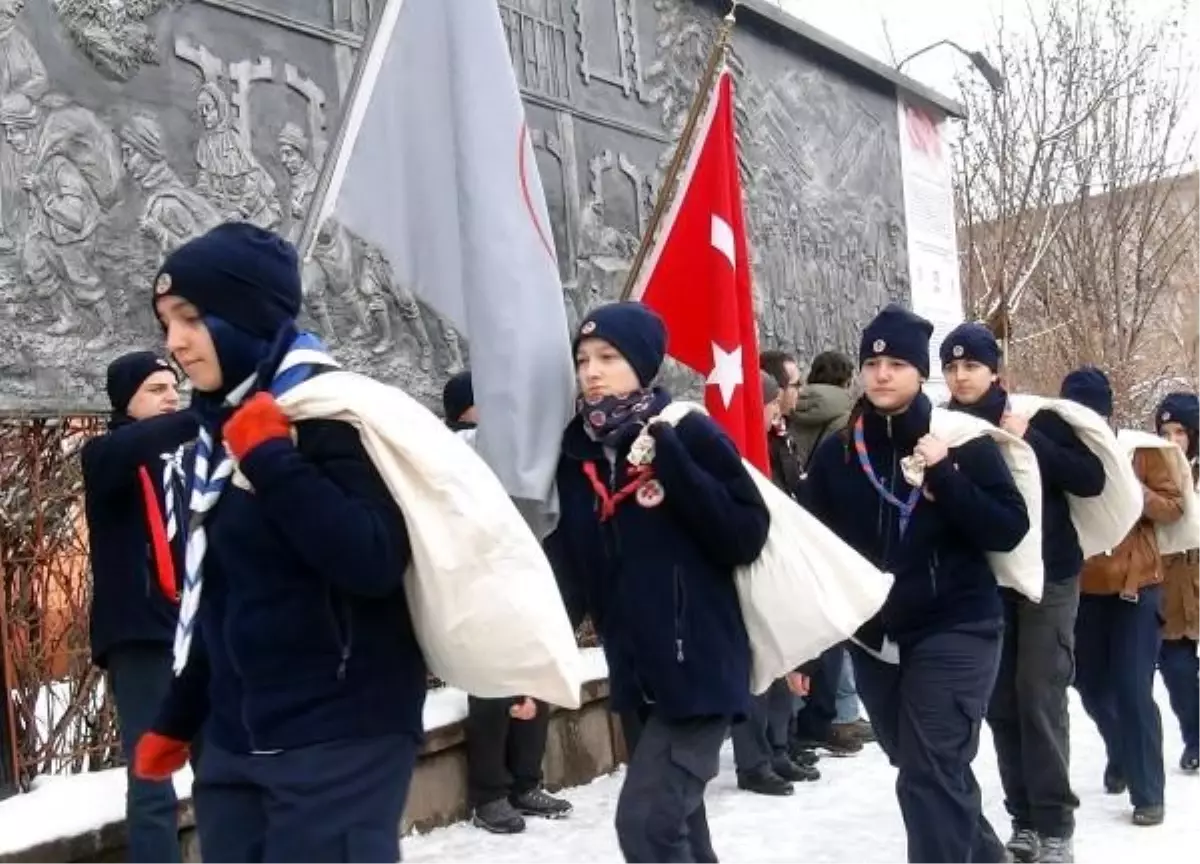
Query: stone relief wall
<point x="130" y="127"/>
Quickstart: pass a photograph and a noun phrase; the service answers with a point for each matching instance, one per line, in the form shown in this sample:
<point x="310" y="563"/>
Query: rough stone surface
<point x="129" y="127"/>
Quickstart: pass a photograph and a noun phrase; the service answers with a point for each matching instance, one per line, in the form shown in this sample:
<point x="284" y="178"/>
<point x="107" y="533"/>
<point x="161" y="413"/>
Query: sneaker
<point x="764" y="781"/>
<point x="499" y="817"/>
<point x="1114" y="783"/>
<point x="1024" y="845"/>
<point x="796" y="773"/>
<point x="1057" y="850"/>
<point x="1189" y="761"/>
<point x="538" y="803"/>
<point x="1148" y="816"/>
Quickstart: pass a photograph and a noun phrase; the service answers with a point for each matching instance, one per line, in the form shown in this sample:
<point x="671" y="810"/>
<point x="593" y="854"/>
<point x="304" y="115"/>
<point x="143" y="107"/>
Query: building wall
<point x="607" y="82"/>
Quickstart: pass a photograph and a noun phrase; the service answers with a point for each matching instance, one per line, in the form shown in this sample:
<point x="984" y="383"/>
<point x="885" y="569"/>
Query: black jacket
<point x="129" y="603"/>
<point x="942" y="578"/>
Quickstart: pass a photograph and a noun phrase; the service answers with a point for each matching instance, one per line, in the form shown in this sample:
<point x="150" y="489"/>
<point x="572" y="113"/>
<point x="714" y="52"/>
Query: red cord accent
<point x="164" y="564"/>
<point x="608" y="503"/>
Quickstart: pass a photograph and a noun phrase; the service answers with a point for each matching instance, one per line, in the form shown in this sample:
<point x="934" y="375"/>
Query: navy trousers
<point x="660" y="812"/>
<point x="140" y="675"/>
<point x="337" y="801"/>
<point x="927" y="712"/>
<point x="815" y="719"/>
<point x="1178" y="664"/>
<point x="763" y="737"/>
<point x="1116" y="652"/>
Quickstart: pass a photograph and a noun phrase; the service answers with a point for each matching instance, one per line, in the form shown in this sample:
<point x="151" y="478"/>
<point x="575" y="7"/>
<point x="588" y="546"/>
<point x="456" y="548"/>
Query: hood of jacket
<point x="820" y="403"/>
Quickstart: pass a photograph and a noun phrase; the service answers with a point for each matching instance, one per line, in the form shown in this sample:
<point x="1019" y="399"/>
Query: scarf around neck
<point x="990" y="407"/>
<point x="609" y="420"/>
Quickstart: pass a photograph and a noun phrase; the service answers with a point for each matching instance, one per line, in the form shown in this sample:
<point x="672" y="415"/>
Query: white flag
<point x="435" y="166"/>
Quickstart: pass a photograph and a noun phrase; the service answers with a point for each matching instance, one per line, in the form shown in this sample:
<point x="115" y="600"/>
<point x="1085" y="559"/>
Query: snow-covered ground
<point x="850" y="815"/>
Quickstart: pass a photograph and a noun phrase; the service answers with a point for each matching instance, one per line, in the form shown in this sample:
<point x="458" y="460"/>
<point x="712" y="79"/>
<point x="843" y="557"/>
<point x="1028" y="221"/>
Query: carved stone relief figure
<point x="172" y="213"/>
<point x="21" y="71"/>
<point x="71" y="177"/>
<point x="605" y="251"/>
<point x="230" y="174"/>
<point x="113" y="35"/>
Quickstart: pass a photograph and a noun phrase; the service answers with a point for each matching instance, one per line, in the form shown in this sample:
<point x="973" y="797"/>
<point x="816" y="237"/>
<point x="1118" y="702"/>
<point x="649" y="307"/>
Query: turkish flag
<point x="697" y="278"/>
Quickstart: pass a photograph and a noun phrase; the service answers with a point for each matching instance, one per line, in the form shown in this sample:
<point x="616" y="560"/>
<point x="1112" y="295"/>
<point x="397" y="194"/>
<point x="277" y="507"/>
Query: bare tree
<point x="1074" y="222"/>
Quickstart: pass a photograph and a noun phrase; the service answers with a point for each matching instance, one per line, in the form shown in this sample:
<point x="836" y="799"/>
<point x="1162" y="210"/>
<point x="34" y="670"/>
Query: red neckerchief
<point x="608" y="503"/>
<point x="164" y="564"/>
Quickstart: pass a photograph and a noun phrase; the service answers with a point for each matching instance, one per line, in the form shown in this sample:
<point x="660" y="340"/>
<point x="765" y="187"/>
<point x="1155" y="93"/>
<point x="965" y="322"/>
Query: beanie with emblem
<point x="1184" y="409"/>
<point x="127" y="373"/>
<point x="971" y="341"/>
<point x="634" y="329"/>
<point x="900" y="334"/>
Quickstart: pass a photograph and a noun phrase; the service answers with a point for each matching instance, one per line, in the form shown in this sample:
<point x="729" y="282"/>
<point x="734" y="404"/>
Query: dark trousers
<point x="660" y="812"/>
<point x="1028" y="710"/>
<point x="140" y="675"/>
<point x="504" y="756"/>
<point x="927" y="712"/>
<point x="763" y="737"/>
<point x="815" y="719"/>
<point x="1178" y="664"/>
<point x="338" y="801"/>
<point x="1116" y="650"/>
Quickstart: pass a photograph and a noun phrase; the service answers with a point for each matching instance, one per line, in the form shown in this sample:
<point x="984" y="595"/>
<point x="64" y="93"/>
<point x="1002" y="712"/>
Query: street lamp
<point x="989" y="72"/>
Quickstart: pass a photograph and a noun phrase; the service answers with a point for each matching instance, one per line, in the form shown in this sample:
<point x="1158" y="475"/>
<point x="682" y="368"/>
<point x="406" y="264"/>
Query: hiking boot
<point x="499" y="817"/>
<point x="839" y="742"/>
<point x="1189" y="761"/>
<point x="764" y="781"/>
<point x="538" y="803"/>
<point x="1114" y="782"/>
<point x="861" y="729"/>
<point x="789" y="770"/>
<point x="1024" y="845"/>
<point x="1057" y="850"/>
<point x="1150" y="815"/>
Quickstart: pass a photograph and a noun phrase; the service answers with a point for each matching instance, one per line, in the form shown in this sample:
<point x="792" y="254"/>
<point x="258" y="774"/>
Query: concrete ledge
<point x="582" y="745"/>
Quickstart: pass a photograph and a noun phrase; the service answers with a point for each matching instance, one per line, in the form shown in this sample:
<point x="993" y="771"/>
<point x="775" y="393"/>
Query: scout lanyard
<point x="906" y="508"/>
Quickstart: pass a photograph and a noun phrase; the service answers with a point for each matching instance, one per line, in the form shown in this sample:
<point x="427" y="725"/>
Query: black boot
<point x="499" y="817"/>
<point x="1114" y="782"/>
<point x="535" y="802"/>
<point x="1148" y="816"/>
<point x="764" y="781"/>
<point x="796" y="773"/>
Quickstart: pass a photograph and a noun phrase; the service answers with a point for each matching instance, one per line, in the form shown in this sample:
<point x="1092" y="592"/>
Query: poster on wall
<point x="929" y="215"/>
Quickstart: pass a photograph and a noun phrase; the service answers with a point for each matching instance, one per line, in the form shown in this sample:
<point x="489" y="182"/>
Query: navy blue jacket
<point x="942" y="579"/>
<point x="128" y="603"/>
<point x="1067" y="467"/>
<point x="303" y="634"/>
<point x="658" y="581"/>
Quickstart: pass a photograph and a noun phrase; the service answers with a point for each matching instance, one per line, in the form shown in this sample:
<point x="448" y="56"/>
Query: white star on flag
<point x="726" y="372"/>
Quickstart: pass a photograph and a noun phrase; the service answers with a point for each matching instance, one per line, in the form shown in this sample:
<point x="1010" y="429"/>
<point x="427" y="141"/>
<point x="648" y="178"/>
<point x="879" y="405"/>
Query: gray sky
<point x="913" y="24"/>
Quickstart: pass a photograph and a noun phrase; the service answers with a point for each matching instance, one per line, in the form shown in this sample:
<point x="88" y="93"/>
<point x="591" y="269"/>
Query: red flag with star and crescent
<point x="697" y="278"/>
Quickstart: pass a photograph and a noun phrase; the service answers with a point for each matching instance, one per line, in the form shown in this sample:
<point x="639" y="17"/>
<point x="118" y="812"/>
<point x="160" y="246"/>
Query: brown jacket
<point x="1135" y="563"/>
<point x="1181" y="596"/>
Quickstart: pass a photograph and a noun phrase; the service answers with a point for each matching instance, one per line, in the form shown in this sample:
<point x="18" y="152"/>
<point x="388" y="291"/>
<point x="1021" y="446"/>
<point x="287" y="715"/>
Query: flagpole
<point x="366" y="71"/>
<point x="716" y="56"/>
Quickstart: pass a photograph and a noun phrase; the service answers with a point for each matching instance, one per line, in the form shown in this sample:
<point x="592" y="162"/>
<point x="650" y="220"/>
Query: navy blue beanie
<point x="1184" y="409"/>
<point x="971" y="341"/>
<point x="458" y="396"/>
<point x="127" y="373"/>
<point x="900" y="334"/>
<point x="633" y="329"/>
<point x="245" y="275"/>
<point x="1089" y="387"/>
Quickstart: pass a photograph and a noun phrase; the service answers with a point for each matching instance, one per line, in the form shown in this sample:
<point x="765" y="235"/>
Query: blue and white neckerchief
<point x="173" y="474"/>
<point x="212" y="469"/>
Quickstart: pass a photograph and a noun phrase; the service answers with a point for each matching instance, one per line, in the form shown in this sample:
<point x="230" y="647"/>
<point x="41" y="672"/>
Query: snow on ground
<point x="849" y="815"/>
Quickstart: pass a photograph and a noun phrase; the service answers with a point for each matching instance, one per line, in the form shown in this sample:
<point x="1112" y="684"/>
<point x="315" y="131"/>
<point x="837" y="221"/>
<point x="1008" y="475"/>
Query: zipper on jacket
<point x="680" y="610"/>
<point x="343" y="635"/>
<point x="243" y="707"/>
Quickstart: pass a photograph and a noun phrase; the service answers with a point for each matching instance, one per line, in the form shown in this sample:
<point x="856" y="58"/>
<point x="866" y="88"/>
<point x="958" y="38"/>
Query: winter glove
<point x="157" y="757"/>
<point x="258" y="421"/>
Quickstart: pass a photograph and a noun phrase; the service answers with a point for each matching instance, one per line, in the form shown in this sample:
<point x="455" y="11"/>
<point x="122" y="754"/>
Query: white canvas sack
<point x="1021" y="569"/>
<point x="1183" y="535"/>
<point x="807" y="591"/>
<point x="484" y="602"/>
<point x="1104" y="521"/>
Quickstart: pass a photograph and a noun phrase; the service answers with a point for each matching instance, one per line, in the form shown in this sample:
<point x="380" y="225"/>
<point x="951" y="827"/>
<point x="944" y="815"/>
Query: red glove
<point x="256" y="422"/>
<point x="157" y="757"/>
